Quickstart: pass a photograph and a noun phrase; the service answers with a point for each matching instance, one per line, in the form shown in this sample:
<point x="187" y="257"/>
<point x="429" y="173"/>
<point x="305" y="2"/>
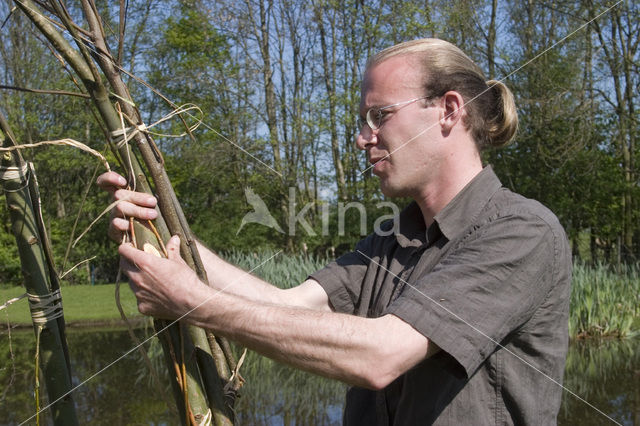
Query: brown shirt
<point x="489" y="283"/>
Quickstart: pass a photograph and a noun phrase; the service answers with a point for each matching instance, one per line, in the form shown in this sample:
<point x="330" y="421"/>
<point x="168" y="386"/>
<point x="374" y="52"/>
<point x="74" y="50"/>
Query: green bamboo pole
<point x="20" y="190"/>
<point x="203" y="373"/>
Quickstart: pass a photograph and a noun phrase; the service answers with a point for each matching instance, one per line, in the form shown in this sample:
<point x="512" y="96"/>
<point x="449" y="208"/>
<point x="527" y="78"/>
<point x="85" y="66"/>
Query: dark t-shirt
<point x="489" y="283"/>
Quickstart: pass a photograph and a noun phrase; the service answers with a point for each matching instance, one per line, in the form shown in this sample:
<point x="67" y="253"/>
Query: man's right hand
<point x="131" y="204"/>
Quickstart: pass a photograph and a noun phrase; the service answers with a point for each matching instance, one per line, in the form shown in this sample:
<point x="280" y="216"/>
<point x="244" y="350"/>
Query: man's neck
<point x="437" y="195"/>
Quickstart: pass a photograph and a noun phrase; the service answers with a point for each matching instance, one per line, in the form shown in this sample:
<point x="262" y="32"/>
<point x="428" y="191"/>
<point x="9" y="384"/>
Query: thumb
<point x="173" y="248"/>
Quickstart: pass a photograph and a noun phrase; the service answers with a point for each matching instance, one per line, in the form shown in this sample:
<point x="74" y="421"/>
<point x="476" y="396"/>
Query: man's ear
<point x="453" y="110"/>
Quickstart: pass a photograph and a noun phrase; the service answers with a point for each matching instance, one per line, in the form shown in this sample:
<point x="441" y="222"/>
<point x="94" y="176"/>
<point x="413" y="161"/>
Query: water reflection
<point x="605" y="373"/>
<point x="125" y="395"/>
<point x="114" y="397"/>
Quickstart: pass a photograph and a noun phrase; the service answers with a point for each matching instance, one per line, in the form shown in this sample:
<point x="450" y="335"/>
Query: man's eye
<point x="381" y="115"/>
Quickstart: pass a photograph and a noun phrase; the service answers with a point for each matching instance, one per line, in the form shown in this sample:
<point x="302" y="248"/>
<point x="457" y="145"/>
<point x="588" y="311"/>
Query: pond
<point x="606" y="374"/>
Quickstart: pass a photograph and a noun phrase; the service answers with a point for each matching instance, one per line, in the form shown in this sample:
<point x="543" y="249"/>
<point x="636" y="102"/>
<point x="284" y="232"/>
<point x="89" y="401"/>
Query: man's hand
<point x="130" y="204"/>
<point x="164" y="288"/>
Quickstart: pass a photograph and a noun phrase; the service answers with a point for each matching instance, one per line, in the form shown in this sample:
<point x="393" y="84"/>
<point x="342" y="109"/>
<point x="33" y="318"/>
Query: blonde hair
<point x="491" y="114"/>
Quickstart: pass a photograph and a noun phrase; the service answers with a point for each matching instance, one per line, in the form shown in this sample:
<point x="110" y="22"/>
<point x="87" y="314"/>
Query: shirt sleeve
<point x="342" y="279"/>
<point x="483" y="289"/>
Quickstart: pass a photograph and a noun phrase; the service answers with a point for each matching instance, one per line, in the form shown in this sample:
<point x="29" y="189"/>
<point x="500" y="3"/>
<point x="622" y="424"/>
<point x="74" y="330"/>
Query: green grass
<point x="81" y="303"/>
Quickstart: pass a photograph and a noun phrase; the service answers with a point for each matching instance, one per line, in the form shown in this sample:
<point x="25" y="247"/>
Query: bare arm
<point x="236" y="281"/>
<point x="360" y="351"/>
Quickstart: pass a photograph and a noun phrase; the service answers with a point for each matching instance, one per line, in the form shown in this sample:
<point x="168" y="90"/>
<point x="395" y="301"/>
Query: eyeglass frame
<point x="369" y="121"/>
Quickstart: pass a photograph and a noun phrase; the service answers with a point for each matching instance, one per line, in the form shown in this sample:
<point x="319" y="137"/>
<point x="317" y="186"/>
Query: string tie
<point x="120" y="137"/>
<point x="45" y="308"/>
<point x="14" y="173"/>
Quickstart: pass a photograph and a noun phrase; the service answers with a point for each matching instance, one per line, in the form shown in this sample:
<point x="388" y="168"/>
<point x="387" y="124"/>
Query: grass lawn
<point x="81" y="304"/>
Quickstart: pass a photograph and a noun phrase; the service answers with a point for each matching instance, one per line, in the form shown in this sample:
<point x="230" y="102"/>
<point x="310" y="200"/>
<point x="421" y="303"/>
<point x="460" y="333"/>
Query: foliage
<point x="283" y="270"/>
<point x="278" y="85"/>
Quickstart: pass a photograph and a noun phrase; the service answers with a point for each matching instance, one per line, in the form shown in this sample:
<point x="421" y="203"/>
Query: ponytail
<point x="501" y="121"/>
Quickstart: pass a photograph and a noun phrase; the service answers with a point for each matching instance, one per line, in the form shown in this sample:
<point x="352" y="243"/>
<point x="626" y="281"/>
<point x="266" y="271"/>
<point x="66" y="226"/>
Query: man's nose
<point x="366" y="138"/>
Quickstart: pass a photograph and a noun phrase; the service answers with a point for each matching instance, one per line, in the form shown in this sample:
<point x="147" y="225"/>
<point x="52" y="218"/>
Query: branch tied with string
<point x="119" y="138"/>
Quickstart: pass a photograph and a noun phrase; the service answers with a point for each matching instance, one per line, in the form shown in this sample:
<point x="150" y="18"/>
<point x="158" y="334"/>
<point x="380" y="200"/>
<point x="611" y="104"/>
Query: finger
<point x="139" y="198"/>
<point x="111" y="181"/>
<point x="117" y="228"/>
<point x="173" y="248"/>
<point x="133" y="258"/>
<point x="119" y="224"/>
<point x="134" y="287"/>
<point x="130" y="270"/>
<point x="129" y="209"/>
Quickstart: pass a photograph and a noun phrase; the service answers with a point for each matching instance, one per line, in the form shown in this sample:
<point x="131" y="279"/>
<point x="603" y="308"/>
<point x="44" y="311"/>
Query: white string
<point x="105" y="211"/>
<point x="46" y="307"/>
<point x="76" y="265"/>
<point x="214" y="294"/>
<point x="482" y="333"/>
<point x="66" y="141"/>
<point x="13" y="173"/>
<point x="121" y="136"/>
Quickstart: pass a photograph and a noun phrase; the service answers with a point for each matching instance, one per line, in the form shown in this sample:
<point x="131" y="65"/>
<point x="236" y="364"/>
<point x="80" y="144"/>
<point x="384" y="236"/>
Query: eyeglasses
<point x="374" y="115"/>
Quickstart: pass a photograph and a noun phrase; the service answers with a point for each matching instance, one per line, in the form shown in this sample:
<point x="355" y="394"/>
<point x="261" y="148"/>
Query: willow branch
<point x="121" y="27"/>
<point x="70" y="55"/>
<point x="46" y="92"/>
<point x="169" y="206"/>
<point x="72" y="28"/>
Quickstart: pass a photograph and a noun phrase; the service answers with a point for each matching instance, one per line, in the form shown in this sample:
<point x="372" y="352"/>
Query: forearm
<point x="231" y="279"/>
<point x="359" y="351"/>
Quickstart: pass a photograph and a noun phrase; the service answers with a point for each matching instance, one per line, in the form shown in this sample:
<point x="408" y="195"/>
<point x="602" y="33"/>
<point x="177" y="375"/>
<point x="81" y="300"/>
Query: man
<point x="458" y="318"/>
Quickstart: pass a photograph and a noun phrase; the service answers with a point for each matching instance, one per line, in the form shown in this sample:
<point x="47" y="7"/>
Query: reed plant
<point x="605" y="301"/>
<point x="278" y="268"/>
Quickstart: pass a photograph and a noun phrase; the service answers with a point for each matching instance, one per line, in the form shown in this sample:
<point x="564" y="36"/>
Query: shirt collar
<point x="411" y="227"/>
<point x="454" y="217"/>
<point x="463" y="209"/>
